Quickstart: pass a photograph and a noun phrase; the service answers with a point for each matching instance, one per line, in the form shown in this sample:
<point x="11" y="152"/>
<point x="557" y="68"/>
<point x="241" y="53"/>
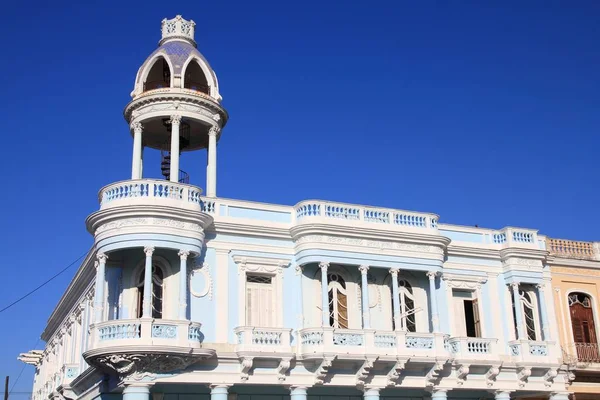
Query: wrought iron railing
<point x="577" y="353"/>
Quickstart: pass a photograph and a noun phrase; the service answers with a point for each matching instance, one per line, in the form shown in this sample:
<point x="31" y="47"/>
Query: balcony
<point x="573" y="249"/>
<point x="316" y="211"/>
<point x="582" y="354"/>
<point x="157" y="345"/>
<point x="529" y="351"/>
<point x="153" y="85"/>
<point x="263" y="342"/>
<point x="470" y="348"/>
<point x="315" y="343"/>
<point x="151" y="192"/>
<point x="516" y="237"/>
<point x="197" y="87"/>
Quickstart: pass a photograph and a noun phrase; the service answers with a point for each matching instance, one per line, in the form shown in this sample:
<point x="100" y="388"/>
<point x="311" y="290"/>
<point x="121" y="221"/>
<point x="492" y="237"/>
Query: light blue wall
<point x="342" y="257"/>
<point x="250" y="213"/>
<point x="474" y="261"/>
<point x="506" y="317"/>
<point x="113" y="280"/>
<point x="443" y="306"/>
<point x="463" y="236"/>
<point x="203" y="309"/>
<point x="252" y="240"/>
<point x="489" y="309"/>
<point x="233" y="298"/>
<point x="292" y="307"/>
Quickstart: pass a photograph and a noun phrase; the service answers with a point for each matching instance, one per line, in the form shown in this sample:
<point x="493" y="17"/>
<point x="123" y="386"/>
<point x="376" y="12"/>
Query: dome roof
<point x="178" y="48"/>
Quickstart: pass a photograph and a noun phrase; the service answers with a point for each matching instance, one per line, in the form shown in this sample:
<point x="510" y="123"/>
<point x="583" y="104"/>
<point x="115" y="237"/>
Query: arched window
<point x="157" y="292"/>
<point x="194" y="78"/>
<point x="159" y="75"/>
<point x="582" y="318"/>
<point x="338" y="301"/>
<point x="407" y="306"/>
<point x="527" y="302"/>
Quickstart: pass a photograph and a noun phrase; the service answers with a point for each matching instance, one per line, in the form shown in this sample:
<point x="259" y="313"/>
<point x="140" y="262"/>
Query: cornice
<point x="554" y="261"/>
<point x="479" y="252"/>
<point x="537" y="254"/>
<point x="82" y="280"/>
<point x="369" y="233"/>
<point x="175" y="95"/>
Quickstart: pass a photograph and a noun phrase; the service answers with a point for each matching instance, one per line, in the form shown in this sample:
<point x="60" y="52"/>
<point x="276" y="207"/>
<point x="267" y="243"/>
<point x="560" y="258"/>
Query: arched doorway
<point x="583" y="326"/>
<point x="159" y="76"/>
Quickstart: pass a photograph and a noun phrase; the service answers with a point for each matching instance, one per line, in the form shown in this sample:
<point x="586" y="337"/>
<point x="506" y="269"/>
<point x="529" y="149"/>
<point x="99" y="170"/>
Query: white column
<point x="435" y="318"/>
<point x="211" y="169"/>
<point x="439" y="394"/>
<point x="183" y="256"/>
<point x="563" y="318"/>
<point x="543" y="311"/>
<point x="175" y="121"/>
<point x="136" y="160"/>
<point x="365" y="296"/>
<point x="147" y="301"/>
<point x="136" y="392"/>
<point x="218" y="392"/>
<point x="480" y="309"/>
<point x="371" y="394"/>
<point x="324" y="294"/>
<point x="99" y="295"/>
<point x="84" y="333"/>
<point x="298" y="393"/>
<point x="559" y="396"/>
<point x="502" y="395"/>
<point x="396" y="300"/>
<point x="518" y="311"/>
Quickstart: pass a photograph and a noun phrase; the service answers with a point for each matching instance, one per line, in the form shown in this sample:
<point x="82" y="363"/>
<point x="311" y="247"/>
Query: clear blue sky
<point x="483" y="113"/>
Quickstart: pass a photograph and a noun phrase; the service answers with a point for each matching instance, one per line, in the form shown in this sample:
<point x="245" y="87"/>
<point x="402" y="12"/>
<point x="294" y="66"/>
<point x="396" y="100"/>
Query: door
<point x="584" y="329"/>
<point x="259" y="301"/>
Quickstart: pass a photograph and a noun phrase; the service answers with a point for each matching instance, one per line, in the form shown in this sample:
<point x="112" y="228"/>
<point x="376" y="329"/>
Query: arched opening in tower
<point x="159" y="75"/>
<point x="194" y="78"/>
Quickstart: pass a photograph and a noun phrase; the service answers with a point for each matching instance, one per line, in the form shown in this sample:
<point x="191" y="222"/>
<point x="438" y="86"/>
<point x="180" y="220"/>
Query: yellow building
<point x="575" y="268"/>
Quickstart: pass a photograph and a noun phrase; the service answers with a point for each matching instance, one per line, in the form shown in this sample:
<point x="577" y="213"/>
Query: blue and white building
<point x="188" y="296"/>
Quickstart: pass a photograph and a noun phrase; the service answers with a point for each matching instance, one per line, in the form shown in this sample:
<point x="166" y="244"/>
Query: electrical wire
<point x="21" y="373"/>
<point x="43" y="284"/>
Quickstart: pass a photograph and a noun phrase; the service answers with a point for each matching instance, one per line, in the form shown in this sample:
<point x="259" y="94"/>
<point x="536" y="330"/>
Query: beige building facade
<point x="575" y="268"/>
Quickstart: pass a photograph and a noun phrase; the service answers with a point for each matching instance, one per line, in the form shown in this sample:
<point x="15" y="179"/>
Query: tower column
<point x="147" y="300"/>
<point x="365" y="296"/>
<point x="298" y="393"/>
<point x="211" y="169"/>
<point x="324" y="294"/>
<point x="175" y="121"/>
<point x="183" y="256"/>
<point x="136" y="161"/>
<point x="99" y="294"/>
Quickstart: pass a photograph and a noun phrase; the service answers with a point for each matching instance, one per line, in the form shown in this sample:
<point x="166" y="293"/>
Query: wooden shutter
<point x="260" y="309"/>
<point x="476" y="317"/>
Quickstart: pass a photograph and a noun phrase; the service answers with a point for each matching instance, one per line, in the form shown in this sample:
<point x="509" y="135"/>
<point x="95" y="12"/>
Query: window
<point x="407" y="307"/>
<point x="338" y="301"/>
<point x="157" y="292"/>
<point x="527" y="303"/>
<point x="260" y="300"/>
<point x="466" y="312"/>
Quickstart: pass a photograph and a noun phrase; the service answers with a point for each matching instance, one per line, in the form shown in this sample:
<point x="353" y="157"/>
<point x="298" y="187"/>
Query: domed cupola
<point x="177" y="63"/>
<point x="176" y="104"/>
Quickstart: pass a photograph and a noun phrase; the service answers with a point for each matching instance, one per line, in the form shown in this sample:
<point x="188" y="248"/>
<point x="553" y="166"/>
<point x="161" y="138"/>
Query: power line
<point x="43" y="284"/>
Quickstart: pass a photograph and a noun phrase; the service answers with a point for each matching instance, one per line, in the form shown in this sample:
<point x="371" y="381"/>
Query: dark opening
<point x="470" y="318"/>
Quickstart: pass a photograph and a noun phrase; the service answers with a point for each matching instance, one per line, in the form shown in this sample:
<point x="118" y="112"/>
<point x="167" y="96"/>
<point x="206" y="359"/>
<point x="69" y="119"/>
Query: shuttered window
<point x="260" y="301"/>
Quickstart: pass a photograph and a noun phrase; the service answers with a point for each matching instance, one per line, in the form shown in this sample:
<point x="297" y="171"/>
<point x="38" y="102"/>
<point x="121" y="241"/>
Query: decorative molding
<point x="434" y="373"/>
<point x="260" y="264"/>
<point x="523" y="374"/>
<point x="136" y="126"/>
<point x="377" y="244"/>
<point x="576" y="271"/>
<point x="394" y="374"/>
<point x="183" y="254"/>
<point x="126" y="365"/>
<point x="461" y="374"/>
<point x="101" y="257"/>
<point x="464" y="281"/>
<point x="137" y="222"/>
<point x="204" y="271"/>
<point x="149" y="250"/>
<point x="321" y="372"/>
<point x="549" y="376"/>
<point x="521" y="262"/>
<point x="283" y="368"/>
<point x="175" y="119"/>
<point x="491" y="375"/>
<point x="363" y="372"/>
<point x="245" y="367"/>
<point x="214" y="130"/>
<point x="298" y="269"/>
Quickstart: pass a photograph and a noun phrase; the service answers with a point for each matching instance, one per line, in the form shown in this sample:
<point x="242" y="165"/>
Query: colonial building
<point x="575" y="270"/>
<point x="186" y="296"/>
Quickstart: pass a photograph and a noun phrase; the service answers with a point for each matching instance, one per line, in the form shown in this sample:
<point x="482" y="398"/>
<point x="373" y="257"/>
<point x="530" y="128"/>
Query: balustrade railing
<point x="146" y="331"/>
<point x="472" y="348"/>
<point x="349" y="212"/>
<point x="269" y="339"/>
<point x="515" y="237"/>
<point x="133" y="191"/>
<point x="573" y="249"/>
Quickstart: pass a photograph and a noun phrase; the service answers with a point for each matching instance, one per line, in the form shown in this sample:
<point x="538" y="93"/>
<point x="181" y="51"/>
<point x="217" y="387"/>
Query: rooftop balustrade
<point x="573" y="249"/>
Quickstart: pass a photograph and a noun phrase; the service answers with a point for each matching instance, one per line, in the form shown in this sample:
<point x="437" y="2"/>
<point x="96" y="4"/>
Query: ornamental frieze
<point x="129" y="222"/>
<point x="376" y="244"/>
<point x="521" y="262"/>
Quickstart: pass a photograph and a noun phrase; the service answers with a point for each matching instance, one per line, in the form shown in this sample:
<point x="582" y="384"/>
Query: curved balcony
<point x="158" y="345"/>
<point x="153" y="193"/>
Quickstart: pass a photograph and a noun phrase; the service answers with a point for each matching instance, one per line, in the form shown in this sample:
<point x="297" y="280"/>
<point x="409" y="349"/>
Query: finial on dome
<point x="177" y="28"/>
